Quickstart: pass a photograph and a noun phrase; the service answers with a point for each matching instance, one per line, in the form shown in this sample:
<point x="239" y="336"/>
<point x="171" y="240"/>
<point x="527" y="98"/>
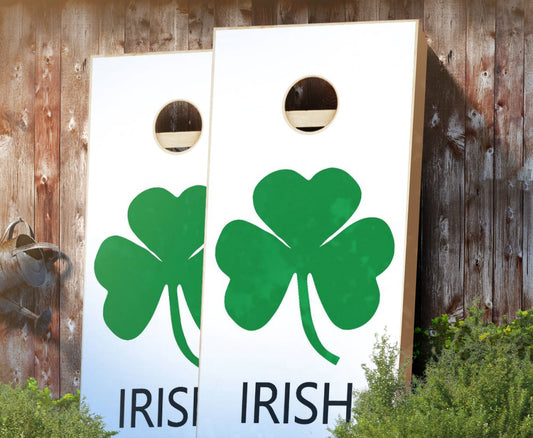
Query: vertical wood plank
<point x="233" y="13"/>
<point x="80" y="28"/>
<point x="479" y="153"/>
<point x="440" y="285"/>
<point x="47" y="218"/>
<point x="17" y="50"/>
<point x="201" y="23"/>
<point x="527" y="289"/>
<point x="263" y="13"/>
<point x="509" y="95"/>
<point x="362" y="10"/>
<point x="333" y="11"/>
<point x="387" y="9"/>
<point x="169" y="25"/>
<point x="111" y="34"/>
<point x="292" y="12"/>
<point x="137" y="27"/>
<point x="401" y="9"/>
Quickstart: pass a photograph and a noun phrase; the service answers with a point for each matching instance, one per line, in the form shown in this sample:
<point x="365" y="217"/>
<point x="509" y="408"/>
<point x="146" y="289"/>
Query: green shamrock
<point x="173" y="229"/>
<point x="304" y="215"/>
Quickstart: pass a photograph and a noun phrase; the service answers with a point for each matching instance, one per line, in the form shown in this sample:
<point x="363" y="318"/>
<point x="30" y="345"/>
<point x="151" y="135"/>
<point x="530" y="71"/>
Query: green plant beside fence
<point x="29" y="412"/>
<point x="478" y="383"/>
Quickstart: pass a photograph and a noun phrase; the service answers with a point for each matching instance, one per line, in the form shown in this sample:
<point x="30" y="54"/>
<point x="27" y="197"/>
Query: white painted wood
<point x="127" y="93"/>
<point x="372" y="68"/>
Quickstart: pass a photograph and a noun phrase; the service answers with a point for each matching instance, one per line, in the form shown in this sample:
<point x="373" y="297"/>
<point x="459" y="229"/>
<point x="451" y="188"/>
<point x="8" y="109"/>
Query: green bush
<point x="29" y="412"/>
<point x="479" y="383"/>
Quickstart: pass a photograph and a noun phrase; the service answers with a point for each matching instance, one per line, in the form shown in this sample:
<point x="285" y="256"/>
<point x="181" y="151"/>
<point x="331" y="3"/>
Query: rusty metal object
<point x="23" y="263"/>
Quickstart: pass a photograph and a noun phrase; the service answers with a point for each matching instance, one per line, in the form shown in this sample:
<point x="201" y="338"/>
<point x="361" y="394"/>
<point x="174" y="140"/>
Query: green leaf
<point x="259" y="267"/>
<point x="135" y="282"/>
<point x="346" y="268"/>
<point x="172" y="228"/>
<point x="305" y="214"/>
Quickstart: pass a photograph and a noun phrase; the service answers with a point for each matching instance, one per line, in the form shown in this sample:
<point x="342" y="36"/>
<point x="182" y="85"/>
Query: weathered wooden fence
<point x="477" y="206"/>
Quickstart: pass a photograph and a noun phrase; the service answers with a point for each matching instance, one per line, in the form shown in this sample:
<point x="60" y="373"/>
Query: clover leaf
<point x="172" y="228"/>
<point x="305" y="215"/>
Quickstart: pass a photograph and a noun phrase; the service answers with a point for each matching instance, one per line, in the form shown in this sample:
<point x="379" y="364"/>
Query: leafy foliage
<point x="478" y="384"/>
<point x="305" y="215"/>
<point x="29" y="412"/>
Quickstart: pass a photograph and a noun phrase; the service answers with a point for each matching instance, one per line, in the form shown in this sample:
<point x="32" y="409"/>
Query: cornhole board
<point x="145" y="229"/>
<point x="311" y="238"/>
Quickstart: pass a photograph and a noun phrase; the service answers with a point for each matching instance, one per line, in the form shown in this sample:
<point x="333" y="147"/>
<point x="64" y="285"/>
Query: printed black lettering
<point x="265" y="403"/>
<point x="141" y="409"/>
<point x="195" y="406"/>
<point x="244" y="401"/>
<point x="328" y="403"/>
<point x="306" y="402"/>
<point x="121" y="415"/>
<point x="160" y="408"/>
<point x="286" y="403"/>
<point x="177" y="406"/>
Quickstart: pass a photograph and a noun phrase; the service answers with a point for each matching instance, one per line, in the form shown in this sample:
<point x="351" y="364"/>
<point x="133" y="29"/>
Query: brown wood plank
<point x="201" y="23"/>
<point x="233" y="13"/>
<point x="387" y="9"/>
<point x="508" y="156"/>
<point x="16" y="172"/>
<point x="401" y="9"/>
<point x="137" y="27"/>
<point x="47" y="218"/>
<point x="169" y="25"/>
<point x="479" y="153"/>
<point x="362" y="10"/>
<point x="78" y="18"/>
<point x="527" y="289"/>
<point x="440" y="285"/>
<point x="112" y="27"/>
<point x="291" y="12"/>
<point x="333" y="11"/>
<point x="263" y="13"/>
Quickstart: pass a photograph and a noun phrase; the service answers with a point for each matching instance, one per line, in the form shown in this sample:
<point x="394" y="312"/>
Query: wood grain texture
<point x="442" y="244"/>
<point x="111" y="27"/>
<point x="291" y="12"/>
<point x="401" y="9"/>
<point x="137" y="27"/>
<point x="78" y="18"/>
<point x="333" y="11"/>
<point x="479" y="152"/>
<point x="233" y="13"/>
<point x="362" y="10"/>
<point x="17" y="71"/>
<point x="201" y="23"/>
<point x="477" y="196"/>
<point x="169" y="25"/>
<point x="47" y="172"/>
<point x="508" y="156"/>
<point x="263" y="13"/>
<point x="527" y="288"/>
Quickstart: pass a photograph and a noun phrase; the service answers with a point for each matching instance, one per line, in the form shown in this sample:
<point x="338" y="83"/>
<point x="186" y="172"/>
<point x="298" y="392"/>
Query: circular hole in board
<point x="310" y="104"/>
<point x="178" y="126"/>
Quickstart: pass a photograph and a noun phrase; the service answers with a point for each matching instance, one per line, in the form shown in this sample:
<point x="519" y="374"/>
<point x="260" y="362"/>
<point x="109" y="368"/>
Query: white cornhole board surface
<point x="149" y="371"/>
<point x="270" y="380"/>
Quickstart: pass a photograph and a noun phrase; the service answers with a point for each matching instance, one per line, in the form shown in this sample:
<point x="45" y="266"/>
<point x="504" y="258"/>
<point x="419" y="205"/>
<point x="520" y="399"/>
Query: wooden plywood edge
<point x="182" y="139"/>
<point x="310" y="118"/>
<point x="413" y="208"/>
<point x="132" y="55"/>
<point x="345" y="23"/>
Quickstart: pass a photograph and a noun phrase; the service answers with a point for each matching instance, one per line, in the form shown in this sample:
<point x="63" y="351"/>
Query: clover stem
<point x="179" y="336"/>
<point x="307" y="320"/>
